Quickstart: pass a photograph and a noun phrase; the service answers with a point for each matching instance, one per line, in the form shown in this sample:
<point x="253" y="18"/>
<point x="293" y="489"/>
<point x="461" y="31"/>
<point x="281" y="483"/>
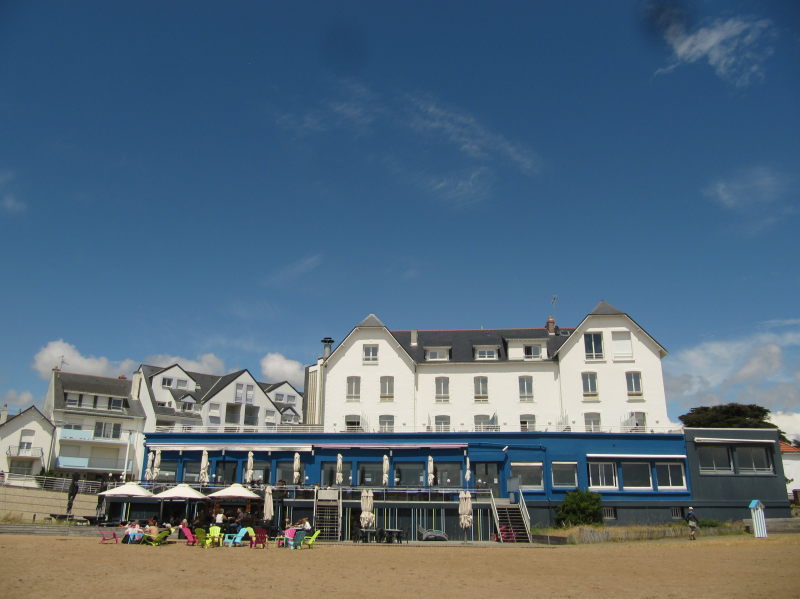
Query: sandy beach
<point x="729" y="567"/>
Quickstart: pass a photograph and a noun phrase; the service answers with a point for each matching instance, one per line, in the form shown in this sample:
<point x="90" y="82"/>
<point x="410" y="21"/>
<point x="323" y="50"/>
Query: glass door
<point x="487" y="476"/>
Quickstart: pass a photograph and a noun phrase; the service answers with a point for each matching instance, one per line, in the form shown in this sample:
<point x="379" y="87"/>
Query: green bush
<point x="709" y="523"/>
<point x="580" y="507"/>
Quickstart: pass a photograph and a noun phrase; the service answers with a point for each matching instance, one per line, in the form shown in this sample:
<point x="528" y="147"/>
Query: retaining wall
<point x="24" y="503"/>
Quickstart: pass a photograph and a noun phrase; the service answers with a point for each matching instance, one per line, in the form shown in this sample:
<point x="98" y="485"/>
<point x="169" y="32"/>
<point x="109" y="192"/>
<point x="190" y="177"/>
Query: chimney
<point x="550" y="325"/>
<point x="326" y="347"/>
<point x="413" y="339"/>
<point x="4" y="414"/>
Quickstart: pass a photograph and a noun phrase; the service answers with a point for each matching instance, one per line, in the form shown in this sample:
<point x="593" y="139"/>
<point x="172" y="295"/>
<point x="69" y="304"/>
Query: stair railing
<point x="526" y="517"/>
<point x="496" y="516"/>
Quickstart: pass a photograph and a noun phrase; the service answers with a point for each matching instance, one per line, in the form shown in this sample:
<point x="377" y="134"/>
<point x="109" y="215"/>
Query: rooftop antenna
<point x="554" y="302"/>
<point x="62" y="362"/>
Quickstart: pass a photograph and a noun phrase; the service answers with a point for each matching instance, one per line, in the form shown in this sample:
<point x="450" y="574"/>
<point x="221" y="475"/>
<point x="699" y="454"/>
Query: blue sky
<point x="225" y="184"/>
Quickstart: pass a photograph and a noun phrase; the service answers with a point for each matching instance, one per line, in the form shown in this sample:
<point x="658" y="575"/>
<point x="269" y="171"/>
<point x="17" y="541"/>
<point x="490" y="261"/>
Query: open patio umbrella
<point x="269" y="509"/>
<point x="248" y="471"/>
<point x="430" y="471"/>
<point x="203" y="479"/>
<point x="339" y="474"/>
<point x="367" y="516"/>
<point x="468" y="473"/>
<point x="234" y="491"/>
<point x="181" y="491"/>
<point x="128" y="491"/>
<point x="296" y="467"/>
<point x="385" y="480"/>
<point x="157" y="464"/>
<point x="148" y="473"/>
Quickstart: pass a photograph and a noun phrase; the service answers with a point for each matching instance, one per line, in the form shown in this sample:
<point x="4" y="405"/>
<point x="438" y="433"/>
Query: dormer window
<point x="115" y="403"/>
<point x="166" y="381"/>
<point x="370" y="354"/>
<point x="533" y="352"/>
<point x="437" y="354"/>
<point x="181" y="383"/>
<point x="485" y="353"/>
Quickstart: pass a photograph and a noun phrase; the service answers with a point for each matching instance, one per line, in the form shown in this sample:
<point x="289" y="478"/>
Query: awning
<point x="639" y="456"/>
<point x="729" y="441"/>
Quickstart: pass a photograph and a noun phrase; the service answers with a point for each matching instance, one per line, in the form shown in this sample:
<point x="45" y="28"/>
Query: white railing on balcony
<point x="90" y="463"/>
<point x="22" y="451"/>
<point x="230" y="428"/>
<point x="69" y="434"/>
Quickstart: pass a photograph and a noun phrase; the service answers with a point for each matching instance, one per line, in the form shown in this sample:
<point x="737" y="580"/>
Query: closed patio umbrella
<point x="468" y="473"/>
<point x="367" y="516"/>
<point x="157" y="465"/>
<point x="203" y="479"/>
<point x="385" y="480"/>
<point x="465" y="509"/>
<point x="339" y="473"/>
<point x="430" y="471"/>
<point x="269" y="510"/>
<point x="248" y="471"/>
<point x="148" y="473"/>
<point x="296" y="468"/>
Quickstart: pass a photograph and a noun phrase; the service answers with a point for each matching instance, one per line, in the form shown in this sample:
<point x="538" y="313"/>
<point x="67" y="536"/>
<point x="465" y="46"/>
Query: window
<point x="70" y="400"/>
<point x="387" y="388"/>
<point x="589" y="380"/>
<point x="677" y="513"/>
<point x="670" y="476"/>
<point x="484" y="422"/>
<point x="529" y="474"/>
<point x="442" y="389"/>
<point x="637" y="422"/>
<point x="532" y="352"/>
<point x="481" y="389"/>
<point x="527" y="422"/>
<point x="251" y="415"/>
<point x="371" y="353"/>
<point x="603" y="475"/>
<point x="269" y="416"/>
<point x="591" y="421"/>
<point x="291" y="399"/>
<point x="369" y="474"/>
<point x="593" y="344"/>
<point x="565" y="474"/>
<point x="239" y="397"/>
<point x="636" y="475"/>
<point x="182" y="383"/>
<point x="447" y="474"/>
<point x="166" y="381"/>
<point x="621" y="345"/>
<point x="409" y="474"/>
<point x="248" y="397"/>
<point x="73" y="427"/>
<point x="714" y="459"/>
<point x="232" y="413"/>
<point x="485" y="353"/>
<point x="279" y="397"/>
<point x="94" y="402"/>
<point x="352" y="423"/>
<point x="609" y="513"/>
<point x="386" y="423"/>
<point x="442" y="424"/>
<point x="353" y="388"/>
<point x="107" y="430"/>
<point x="441" y="353"/>
<point x="634" y="382"/>
<point x="187" y="406"/>
<point x="115" y="403"/>
<point x="753" y="460"/>
<point x="526" y="388"/>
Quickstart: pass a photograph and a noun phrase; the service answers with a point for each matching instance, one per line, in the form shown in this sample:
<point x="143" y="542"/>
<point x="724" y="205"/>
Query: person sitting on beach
<point x="152" y="529"/>
<point x="289" y="533"/>
<point x="131" y="529"/>
<point x="303" y="527"/>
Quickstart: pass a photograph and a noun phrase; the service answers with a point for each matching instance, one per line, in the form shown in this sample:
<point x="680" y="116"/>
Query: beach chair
<point x="200" y="535"/>
<point x="214" y="537"/>
<point x="231" y="539"/>
<point x="309" y="541"/>
<point x="260" y="538"/>
<point x="161" y="539"/>
<point x="190" y="538"/>
<point x="107" y="536"/>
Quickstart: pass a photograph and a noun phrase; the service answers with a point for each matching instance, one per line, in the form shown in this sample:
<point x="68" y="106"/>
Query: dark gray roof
<point x="36" y="411"/>
<point x="462" y="343"/>
<point x="605" y="309"/>
<point x="371" y="321"/>
<point x="94" y="385"/>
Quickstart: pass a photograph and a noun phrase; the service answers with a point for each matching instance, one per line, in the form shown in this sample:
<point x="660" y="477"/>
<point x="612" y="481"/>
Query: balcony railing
<point x="70" y="434"/>
<point x="107" y="464"/>
<point x="48" y="483"/>
<point x="21" y="451"/>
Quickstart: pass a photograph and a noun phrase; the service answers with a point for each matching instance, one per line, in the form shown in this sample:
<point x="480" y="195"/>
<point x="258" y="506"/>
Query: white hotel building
<point x="603" y="375"/>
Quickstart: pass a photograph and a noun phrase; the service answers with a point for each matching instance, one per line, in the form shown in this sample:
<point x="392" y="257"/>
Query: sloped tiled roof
<point x="88" y="384"/>
<point x="789" y="448"/>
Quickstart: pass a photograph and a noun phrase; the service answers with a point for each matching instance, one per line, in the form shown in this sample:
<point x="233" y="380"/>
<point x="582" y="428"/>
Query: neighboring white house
<point x="603" y="375"/>
<point x="98" y="425"/>
<point x="791" y="466"/>
<point x="286" y="397"/>
<point x="25" y="442"/>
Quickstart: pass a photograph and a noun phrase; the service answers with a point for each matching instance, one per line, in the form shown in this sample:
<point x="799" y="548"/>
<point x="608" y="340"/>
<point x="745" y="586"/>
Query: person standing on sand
<point x="691" y="519"/>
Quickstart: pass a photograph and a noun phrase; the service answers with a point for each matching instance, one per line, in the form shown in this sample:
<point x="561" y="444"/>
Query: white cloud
<point x="788" y="422"/>
<point x="18" y="399"/>
<point x="735" y="48"/>
<point x="276" y="367"/>
<point x="70" y="359"/>
<point x="758" y="369"/>
<point x="12" y="205"/>
<point x="295" y="269"/>
<point x="753" y="189"/>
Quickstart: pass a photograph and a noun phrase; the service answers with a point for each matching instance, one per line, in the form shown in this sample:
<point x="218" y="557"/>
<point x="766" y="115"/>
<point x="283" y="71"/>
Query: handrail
<point x="48" y="483"/>
<point x="480" y="428"/>
<point x="526" y="517"/>
<point x="496" y="516"/>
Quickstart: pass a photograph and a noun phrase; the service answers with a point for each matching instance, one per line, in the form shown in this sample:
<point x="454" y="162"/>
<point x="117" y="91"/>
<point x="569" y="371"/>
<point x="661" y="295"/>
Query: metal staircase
<point x="328" y="514"/>
<point x="511" y="523"/>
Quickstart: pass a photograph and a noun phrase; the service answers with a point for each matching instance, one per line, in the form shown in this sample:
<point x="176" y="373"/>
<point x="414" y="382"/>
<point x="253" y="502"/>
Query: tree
<point x="580" y="507"/>
<point x="731" y="415"/>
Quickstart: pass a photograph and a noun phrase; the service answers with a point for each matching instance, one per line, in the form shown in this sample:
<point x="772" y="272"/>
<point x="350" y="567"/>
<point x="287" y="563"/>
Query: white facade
<point x="25" y="442"/>
<point x="492" y="380"/>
